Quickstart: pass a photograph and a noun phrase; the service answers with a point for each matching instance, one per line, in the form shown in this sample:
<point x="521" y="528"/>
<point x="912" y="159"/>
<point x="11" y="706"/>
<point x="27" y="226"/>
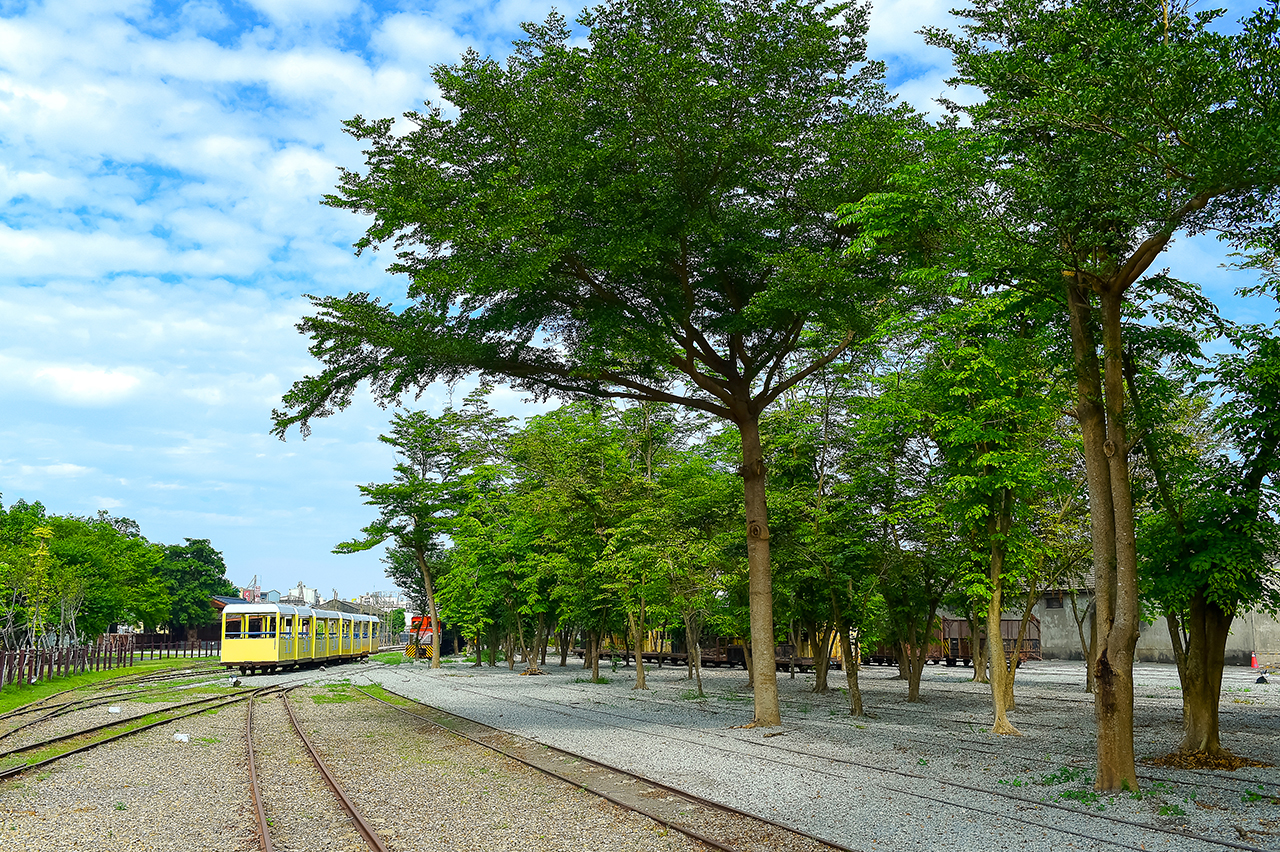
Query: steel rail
<point x="58" y="710"/>
<point x="18" y="770"/>
<point x="105" y="725"/>
<point x="362" y="825"/>
<point x="111" y="683"/>
<point x="918" y="777"/>
<point x="684" y="794"/>
<point x="263" y="833"/>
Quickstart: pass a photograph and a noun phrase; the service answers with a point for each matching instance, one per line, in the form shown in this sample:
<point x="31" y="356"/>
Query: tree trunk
<point x="794" y="636"/>
<point x="563" y="638"/>
<point x="595" y="655"/>
<point x="540" y="645"/>
<point x="822" y="661"/>
<point x="1086" y="644"/>
<point x="531" y="661"/>
<point x="431" y="607"/>
<point x="692" y="640"/>
<point x="917" y="665"/>
<point x="637" y="633"/>
<point x="903" y="655"/>
<point x="1174" y="624"/>
<point x="1001" y="672"/>
<point x="1112" y="532"/>
<point x="759" y="576"/>
<point x="1207" y="628"/>
<point x="850" y="667"/>
<point x="749" y="663"/>
<point x="977" y="649"/>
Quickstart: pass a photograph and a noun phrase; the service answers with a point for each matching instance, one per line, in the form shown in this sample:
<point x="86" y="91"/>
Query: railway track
<point x="184" y="710"/>
<point x="713" y="824"/>
<point x="269" y="778"/>
<point x="147" y="682"/>
<point x="1099" y="819"/>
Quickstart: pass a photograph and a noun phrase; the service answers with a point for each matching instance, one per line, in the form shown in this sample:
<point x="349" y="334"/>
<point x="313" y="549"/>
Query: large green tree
<point x="1119" y="125"/>
<point x="1209" y="549"/>
<point x="193" y="573"/>
<point x="647" y="215"/>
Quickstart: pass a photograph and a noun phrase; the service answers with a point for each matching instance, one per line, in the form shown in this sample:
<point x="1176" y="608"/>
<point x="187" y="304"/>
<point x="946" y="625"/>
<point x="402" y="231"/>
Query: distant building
<point x="300" y="595"/>
<point x="382" y="601"/>
<point x="273" y="596"/>
<point x="252" y="593"/>
<point x="1061" y="625"/>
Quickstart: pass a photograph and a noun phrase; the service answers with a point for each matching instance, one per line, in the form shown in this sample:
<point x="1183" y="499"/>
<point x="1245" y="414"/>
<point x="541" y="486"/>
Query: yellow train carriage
<point x="267" y="637"/>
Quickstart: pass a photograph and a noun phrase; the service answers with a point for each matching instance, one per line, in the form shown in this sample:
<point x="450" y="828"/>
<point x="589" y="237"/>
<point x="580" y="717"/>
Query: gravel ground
<point x="145" y="792"/>
<point x="130" y="707"/>
<point x="420" y="788"/>
<point x="431" y="789"/>
<point x="924" y="776"/>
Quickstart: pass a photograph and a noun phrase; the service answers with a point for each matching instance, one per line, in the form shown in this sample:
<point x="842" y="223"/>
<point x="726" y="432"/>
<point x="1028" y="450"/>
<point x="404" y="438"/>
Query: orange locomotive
<point x="422" y="640"/>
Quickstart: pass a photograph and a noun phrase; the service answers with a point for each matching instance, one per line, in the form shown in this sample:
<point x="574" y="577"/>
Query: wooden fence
<point x="30" y="665"/>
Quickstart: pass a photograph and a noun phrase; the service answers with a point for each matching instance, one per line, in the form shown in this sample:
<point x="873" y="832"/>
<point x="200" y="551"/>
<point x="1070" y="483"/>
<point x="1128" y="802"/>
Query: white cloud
<point x="60" y="469"/>
<point x="107" y="503"/>
<point x="86" y="385"/>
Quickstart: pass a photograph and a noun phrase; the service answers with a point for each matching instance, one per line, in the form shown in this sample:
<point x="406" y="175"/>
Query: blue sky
<point x="161" y="167"/>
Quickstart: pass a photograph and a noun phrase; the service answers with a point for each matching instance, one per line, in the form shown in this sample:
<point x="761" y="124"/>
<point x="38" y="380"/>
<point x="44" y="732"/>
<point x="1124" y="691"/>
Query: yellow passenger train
<point x="266" y="636"/>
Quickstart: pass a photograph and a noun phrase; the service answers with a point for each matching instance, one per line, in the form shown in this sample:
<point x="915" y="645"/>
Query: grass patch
<point x="390" y="658"/>
<point x="733" y="696"/>
<point x="390" y="698"/>
<point x="600" y="679"/>
<point x="19" y="694"/>
<point x="693" y="695"/>
<point x="1065" y="775"/>
<point x="336" y="693"/>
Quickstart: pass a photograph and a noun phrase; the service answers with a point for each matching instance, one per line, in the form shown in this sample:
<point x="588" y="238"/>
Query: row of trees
<point x="64" y="578"/>
<point x="713" y="203"/>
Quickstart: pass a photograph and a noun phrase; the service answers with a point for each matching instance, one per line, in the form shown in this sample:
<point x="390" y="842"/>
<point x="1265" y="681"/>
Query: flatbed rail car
<point x="267" y="636"/>
<point x="713" y="656"/>
<point x="951" y="643"/>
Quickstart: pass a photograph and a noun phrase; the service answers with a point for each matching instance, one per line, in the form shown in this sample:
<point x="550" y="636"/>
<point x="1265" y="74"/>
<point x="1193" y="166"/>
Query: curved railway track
<point x="113" y="683"/>
<point x="256" y="787"/>
<point x="202" y="705"/>
<point x="1096" y="817"/>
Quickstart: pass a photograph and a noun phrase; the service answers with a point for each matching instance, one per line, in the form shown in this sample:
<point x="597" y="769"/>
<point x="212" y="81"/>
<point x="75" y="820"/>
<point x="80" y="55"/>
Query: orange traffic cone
<point x="1254" y="663"/>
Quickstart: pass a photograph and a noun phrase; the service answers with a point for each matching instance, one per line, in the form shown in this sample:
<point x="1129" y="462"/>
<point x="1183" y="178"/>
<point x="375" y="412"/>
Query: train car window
<point x="271" y="627"/>
<point x="254" y="629"/>
<point x="233" y="627"/>
<point x="286" y="628"/>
